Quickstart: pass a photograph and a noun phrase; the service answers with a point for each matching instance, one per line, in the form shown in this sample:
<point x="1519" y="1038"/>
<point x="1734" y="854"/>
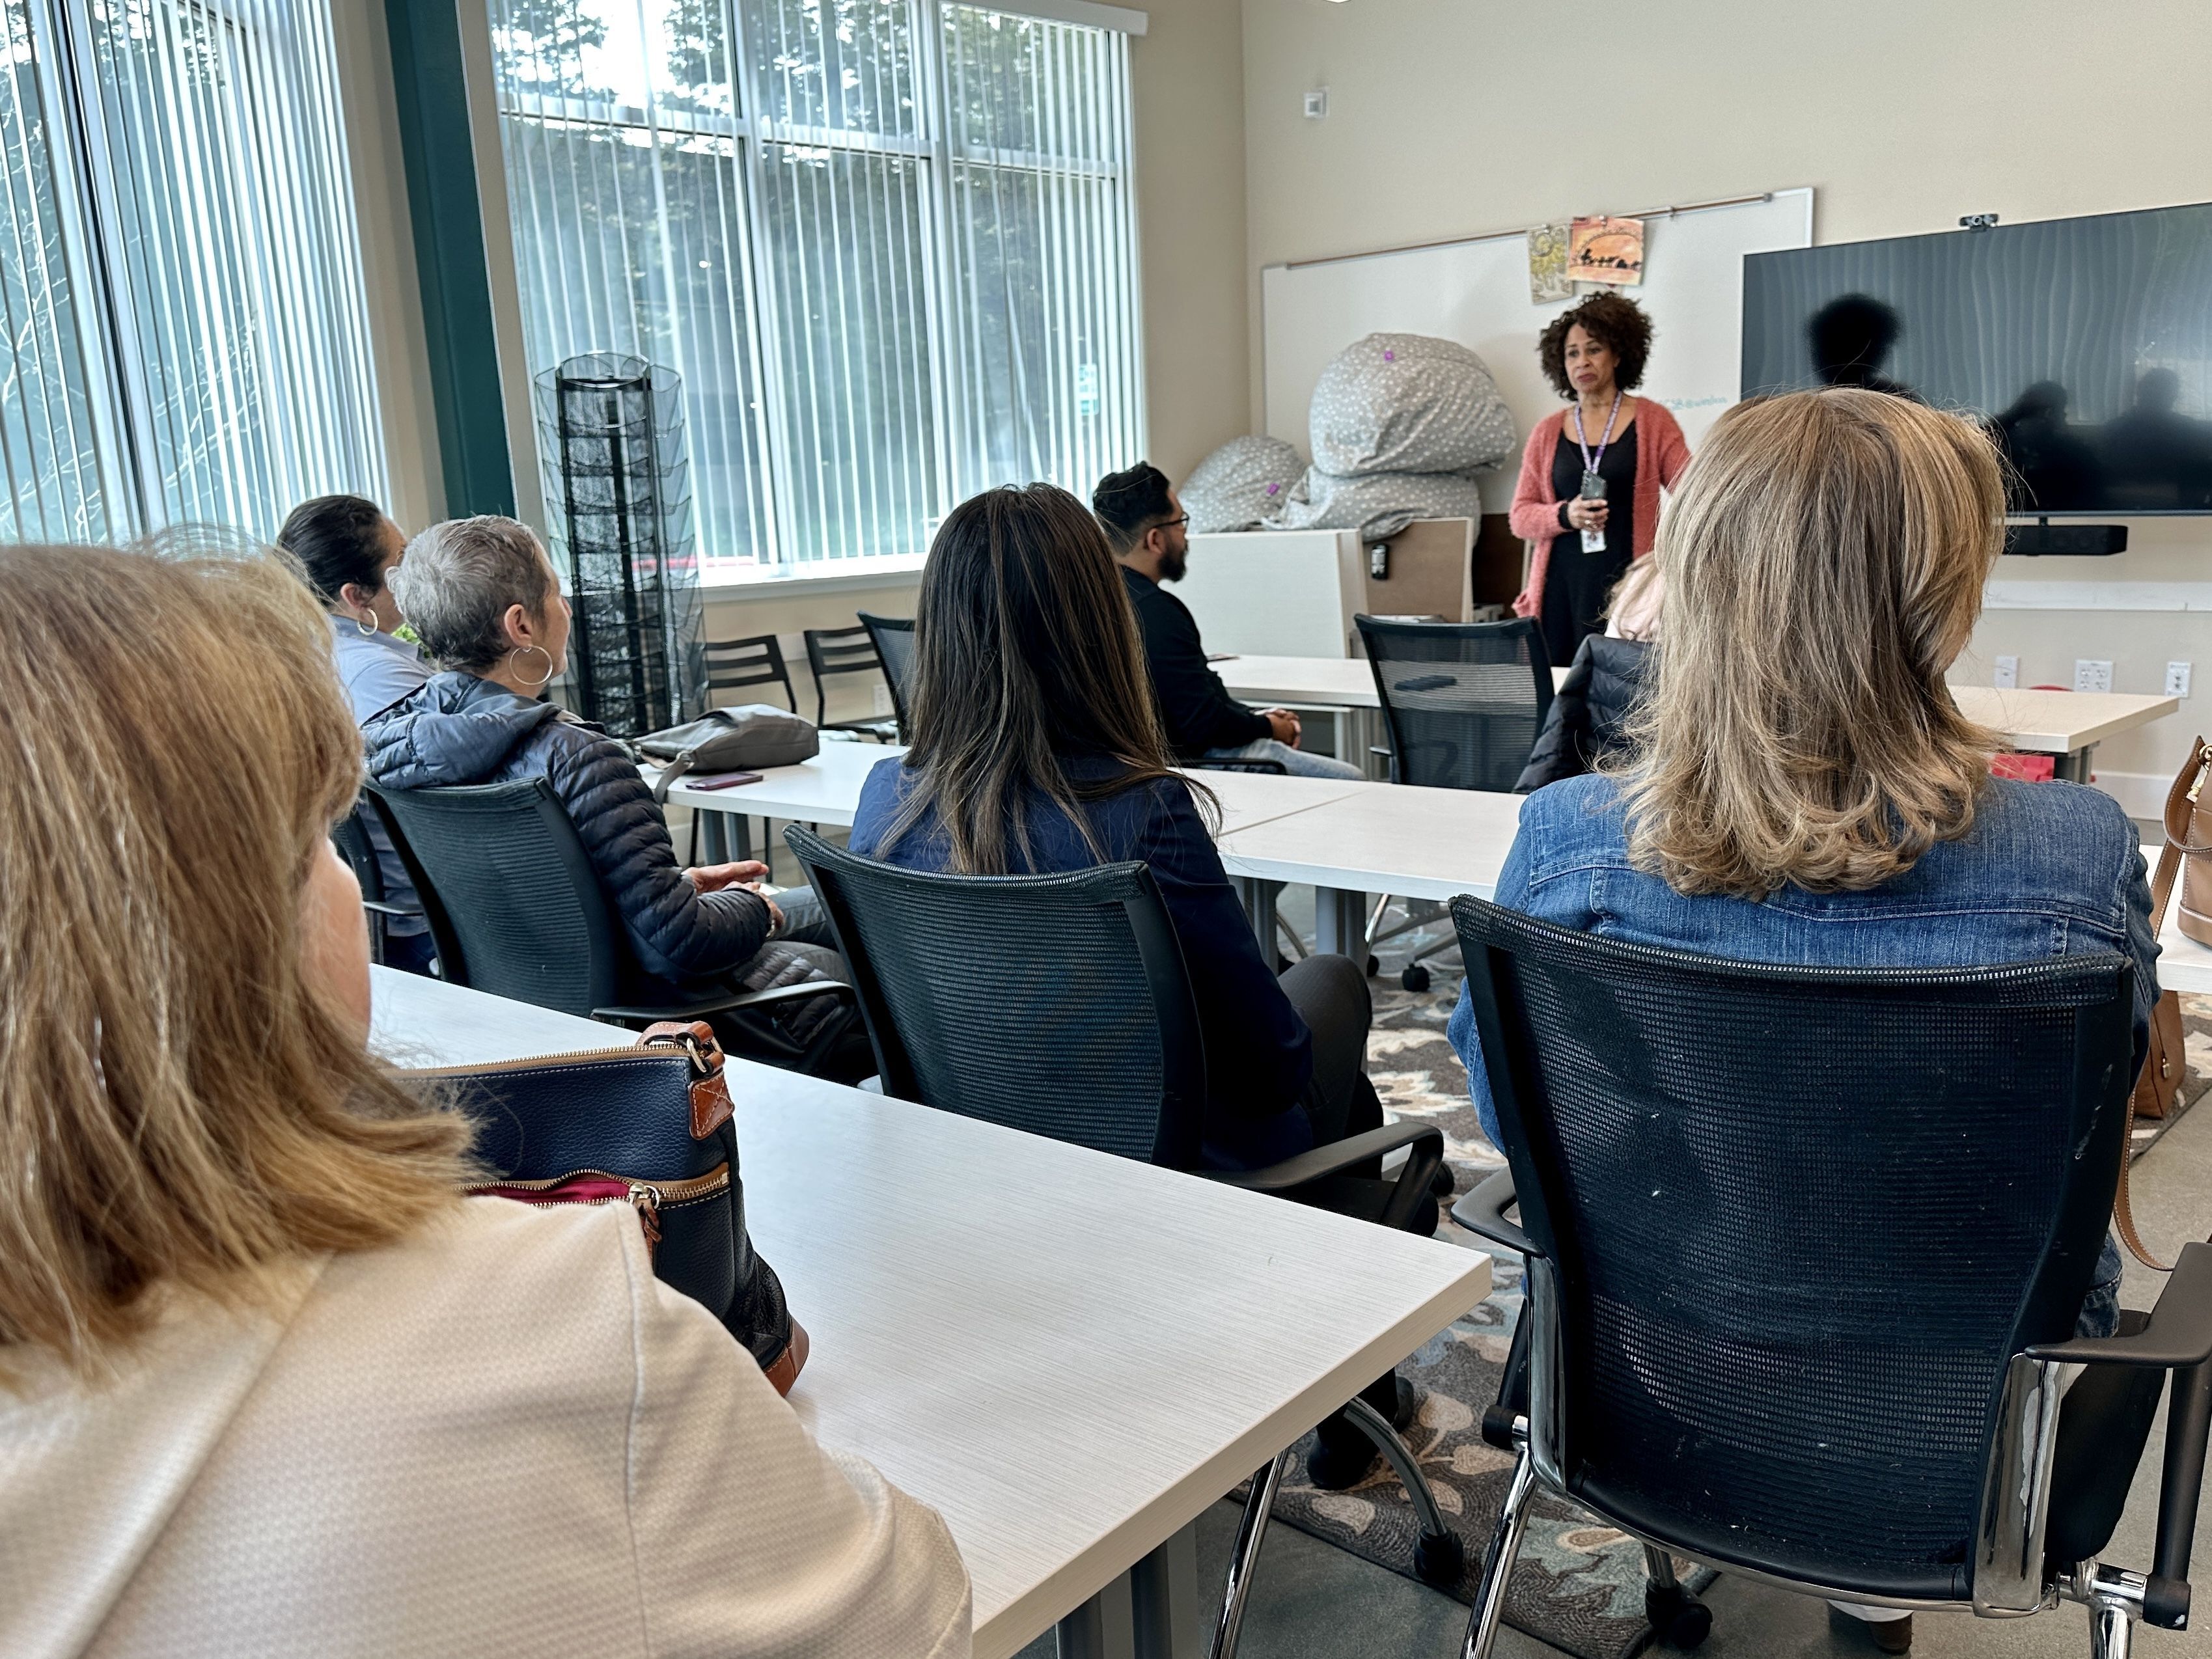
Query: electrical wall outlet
<point x="884" y="700"/>
<point x="1317" y="104"/>
<point x="2007" y="674"/>
<point x="2177" y="679"/>
<point x="2092" y="674"/>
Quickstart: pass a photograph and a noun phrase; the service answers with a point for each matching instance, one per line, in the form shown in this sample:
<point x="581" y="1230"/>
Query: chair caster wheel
<point x="1415" y="978"/>
<point x="1374" y="966"/>
<point x="1678" y="1619"/>
<point x="1440" y="1560"/>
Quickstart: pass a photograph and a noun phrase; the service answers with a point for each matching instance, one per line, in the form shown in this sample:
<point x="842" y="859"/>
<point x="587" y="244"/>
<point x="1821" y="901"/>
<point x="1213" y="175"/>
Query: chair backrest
<point x="894" y="638"/>
<point x="350" y="836"/>
<point x="1057" y="1003"/>
<point x="732" y="664"/>
<point x="839" y="651"/>
<point x="1797" y="1222"/>
<point x="513" y="905"/>
<point x="1463" y="700"/>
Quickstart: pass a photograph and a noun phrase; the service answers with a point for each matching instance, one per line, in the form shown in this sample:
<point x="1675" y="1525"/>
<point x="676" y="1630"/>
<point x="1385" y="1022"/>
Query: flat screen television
<point x="2084" y="344"/>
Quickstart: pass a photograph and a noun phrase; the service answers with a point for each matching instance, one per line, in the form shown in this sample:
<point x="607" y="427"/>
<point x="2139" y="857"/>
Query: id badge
<point x="1593" y="489"/>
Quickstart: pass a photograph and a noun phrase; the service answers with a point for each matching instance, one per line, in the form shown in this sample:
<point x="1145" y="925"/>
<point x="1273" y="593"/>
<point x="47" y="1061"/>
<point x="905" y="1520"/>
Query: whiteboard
<point x="1477" y="293"/>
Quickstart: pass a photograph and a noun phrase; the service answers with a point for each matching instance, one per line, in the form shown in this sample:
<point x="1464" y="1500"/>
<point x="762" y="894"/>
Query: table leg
<point x="1150" y="1612"/>
<point x="1104" y="1627"/>
<point x="2074" y="767"/>
<point x="1341" y="923"/>
<point x="1167" y="1614"/>
<point x="713" y="835"/>
<point x="1359" y="733"/>
<point x="1258" y="898"/>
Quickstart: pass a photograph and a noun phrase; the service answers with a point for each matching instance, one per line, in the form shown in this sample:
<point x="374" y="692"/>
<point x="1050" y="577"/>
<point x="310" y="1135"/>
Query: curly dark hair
<point x="1615" y="322"/>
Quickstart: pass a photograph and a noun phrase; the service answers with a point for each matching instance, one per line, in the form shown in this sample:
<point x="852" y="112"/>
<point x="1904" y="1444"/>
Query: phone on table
<point x="722" y="781"/>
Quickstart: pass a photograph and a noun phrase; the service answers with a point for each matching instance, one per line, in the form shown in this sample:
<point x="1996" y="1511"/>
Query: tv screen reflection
<point x="2083" y="345"/>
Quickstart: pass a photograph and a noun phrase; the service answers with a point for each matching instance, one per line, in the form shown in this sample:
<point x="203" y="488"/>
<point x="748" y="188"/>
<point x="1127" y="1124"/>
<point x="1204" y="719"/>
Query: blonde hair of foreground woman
<point x="1823" y="561"/>
<point x="181" y="1101"/>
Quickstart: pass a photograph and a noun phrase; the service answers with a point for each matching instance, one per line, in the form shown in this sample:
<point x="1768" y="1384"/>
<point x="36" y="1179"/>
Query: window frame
<point x="752" y="129"/>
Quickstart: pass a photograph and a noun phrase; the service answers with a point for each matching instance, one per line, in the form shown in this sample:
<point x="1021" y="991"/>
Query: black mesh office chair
<point x="735" y="664"/>
<point x="1060" y="1004"/>
<point x="894" y="641"/>
<point x="1462" y="704"/>
<point x="834" y="651"/>
<point x="516" y="909"/>
<point x="351" y="836"/>
<point x="1806" y="1249"/>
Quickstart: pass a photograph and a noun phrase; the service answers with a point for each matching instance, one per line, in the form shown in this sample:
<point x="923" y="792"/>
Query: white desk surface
<point x="1322" y="682"/>
<point x="827" y="790"/>
<point x="2059" y="722"/>
<point x="2182" y="963"/>
<point x="1068" y="1355"/>
<point x="823" y="790"/>
<point x="1385" y="838"/>
<point x="2041" y="722"/>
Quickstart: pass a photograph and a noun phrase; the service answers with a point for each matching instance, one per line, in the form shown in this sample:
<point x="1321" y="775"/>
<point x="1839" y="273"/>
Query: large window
<point x="888" y="243"/>
<point x="179" y="273"/>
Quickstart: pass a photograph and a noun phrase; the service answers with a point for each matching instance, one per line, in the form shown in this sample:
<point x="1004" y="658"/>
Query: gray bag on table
<point x="746" y="738"/>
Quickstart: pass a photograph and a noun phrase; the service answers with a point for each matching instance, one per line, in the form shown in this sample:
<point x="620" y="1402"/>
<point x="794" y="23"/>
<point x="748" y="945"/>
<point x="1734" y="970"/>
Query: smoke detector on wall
<point x="1317" y="104"/>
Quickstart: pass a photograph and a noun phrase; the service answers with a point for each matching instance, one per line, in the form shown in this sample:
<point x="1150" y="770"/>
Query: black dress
<point x="1575" y="583"/>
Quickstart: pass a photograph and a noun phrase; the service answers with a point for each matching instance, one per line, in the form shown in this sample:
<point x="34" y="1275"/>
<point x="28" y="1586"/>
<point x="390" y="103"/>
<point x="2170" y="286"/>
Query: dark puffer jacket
<point x="1589" y="712"/>
<point x="457" y="729"/>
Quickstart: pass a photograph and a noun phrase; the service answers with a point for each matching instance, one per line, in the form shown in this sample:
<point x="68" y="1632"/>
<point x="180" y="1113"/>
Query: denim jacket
<point x="2048" y="869"/>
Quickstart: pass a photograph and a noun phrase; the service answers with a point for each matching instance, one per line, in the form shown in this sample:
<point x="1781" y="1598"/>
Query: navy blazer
<point x="1259" y="1053"/>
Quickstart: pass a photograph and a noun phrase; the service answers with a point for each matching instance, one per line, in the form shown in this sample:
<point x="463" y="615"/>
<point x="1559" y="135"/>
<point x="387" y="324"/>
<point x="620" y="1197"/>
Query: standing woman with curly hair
<point x="1590" y="478"/>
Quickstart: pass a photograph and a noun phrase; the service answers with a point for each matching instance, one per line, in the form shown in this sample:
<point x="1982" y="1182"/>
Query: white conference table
<point x="2064" y="724"/>
<point x="827" y="790"/>
<point x="1068" y="1355"/>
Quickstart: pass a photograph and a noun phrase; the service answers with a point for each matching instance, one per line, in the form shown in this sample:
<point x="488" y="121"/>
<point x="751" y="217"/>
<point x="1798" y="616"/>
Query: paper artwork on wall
<point x="1548" y="264"/>
<point x="1607" y="249"/>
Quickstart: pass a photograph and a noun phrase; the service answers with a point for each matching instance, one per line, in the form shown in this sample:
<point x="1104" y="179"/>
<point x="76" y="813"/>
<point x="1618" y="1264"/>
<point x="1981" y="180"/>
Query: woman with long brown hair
<point x="268" y="1385"/>
<point x="1035" y="748"/>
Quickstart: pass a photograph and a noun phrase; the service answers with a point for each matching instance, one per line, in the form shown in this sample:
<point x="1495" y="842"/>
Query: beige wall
<point x="1186" y="75"/>
<point x="1448" y="117"/>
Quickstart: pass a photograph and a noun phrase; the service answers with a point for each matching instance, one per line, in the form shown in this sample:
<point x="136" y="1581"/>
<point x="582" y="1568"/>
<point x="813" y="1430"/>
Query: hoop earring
<point x="367" y="629"/>
<point x="536" y="684"/>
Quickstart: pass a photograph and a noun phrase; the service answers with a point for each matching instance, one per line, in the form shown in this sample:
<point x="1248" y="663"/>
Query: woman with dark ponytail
<point x="346" y="547"/>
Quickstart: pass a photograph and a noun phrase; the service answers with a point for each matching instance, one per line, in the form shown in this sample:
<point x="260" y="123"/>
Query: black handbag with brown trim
<point x="650" y="1125"/>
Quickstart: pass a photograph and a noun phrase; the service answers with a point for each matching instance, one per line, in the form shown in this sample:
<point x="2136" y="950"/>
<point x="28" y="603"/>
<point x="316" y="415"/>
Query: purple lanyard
<point x="1581" y="441"/>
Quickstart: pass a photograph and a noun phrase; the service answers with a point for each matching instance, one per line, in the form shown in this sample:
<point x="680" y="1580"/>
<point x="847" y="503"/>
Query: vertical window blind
<point x="888" y="243"/>
<point x="186" y="332"/>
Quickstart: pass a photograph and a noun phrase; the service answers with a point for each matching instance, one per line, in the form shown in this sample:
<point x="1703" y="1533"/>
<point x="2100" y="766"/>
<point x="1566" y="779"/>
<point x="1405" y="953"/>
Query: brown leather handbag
<point x="2187" y="852"/>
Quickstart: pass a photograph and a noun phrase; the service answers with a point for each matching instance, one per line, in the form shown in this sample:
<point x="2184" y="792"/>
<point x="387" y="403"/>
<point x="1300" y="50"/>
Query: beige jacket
<point x="502" y="1437"/>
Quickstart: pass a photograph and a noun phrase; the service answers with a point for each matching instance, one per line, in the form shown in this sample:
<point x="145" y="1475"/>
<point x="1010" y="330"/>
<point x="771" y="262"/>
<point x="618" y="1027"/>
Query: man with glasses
<point x="1145" y="526"/>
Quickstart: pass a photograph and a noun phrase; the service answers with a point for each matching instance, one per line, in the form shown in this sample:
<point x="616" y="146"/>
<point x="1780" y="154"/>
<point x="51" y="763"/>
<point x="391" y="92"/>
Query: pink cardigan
<point x="1661" y="454"/>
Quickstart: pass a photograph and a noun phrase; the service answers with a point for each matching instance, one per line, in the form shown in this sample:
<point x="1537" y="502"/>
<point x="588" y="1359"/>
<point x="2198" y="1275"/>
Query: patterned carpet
<point x="1579" y="1585"/>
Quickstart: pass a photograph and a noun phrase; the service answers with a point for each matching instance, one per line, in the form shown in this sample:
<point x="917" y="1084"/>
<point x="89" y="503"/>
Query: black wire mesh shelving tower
<point x="618" y="488"/>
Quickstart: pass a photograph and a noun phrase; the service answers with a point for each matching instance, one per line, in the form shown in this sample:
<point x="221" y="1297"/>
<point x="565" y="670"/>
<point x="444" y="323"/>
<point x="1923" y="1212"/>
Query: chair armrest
<point x="2179" y="1339"/>
<point x="2179" y="1335"/>
<point x="383" y="909"/>
<point x="689" y="1010"/>
<point x="1483" y="1210"/>
<point x="1407" y="1192"/>
<point x="1322" y="1161"/>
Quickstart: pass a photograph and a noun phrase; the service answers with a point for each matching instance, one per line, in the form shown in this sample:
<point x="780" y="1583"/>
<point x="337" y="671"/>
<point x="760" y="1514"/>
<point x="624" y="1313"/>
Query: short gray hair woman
<point x="484" y="598"/>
